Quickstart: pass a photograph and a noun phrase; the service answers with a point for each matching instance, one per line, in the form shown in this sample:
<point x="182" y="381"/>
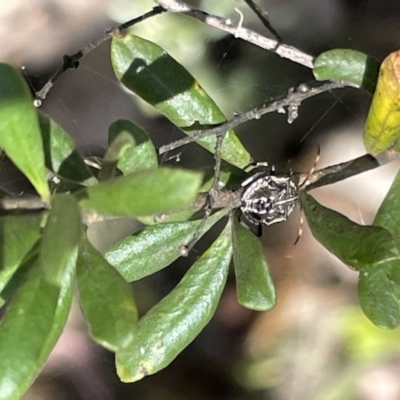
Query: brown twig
<point x="217" y="199"/>
<point x="283" y="50"/>
<point x="293" y="97"/>
<point x="339" y="172"/>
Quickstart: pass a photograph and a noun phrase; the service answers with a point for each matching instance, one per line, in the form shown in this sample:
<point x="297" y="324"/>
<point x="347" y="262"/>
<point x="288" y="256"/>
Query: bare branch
<point x="284" y="51"/>
<point x="216" y="199"/>
<point x="263" y="17"/>
<point x="339" y="172"/>
<point x="70" y="62"/>
<point x="295" y="96"/>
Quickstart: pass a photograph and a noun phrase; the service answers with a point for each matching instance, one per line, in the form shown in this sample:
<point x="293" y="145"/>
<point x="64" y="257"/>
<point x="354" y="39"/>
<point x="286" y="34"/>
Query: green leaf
<point x="379" y="293"/>
<point x="19" y="129"/>
<point x="361" y="247"/>
<point x="155" y="247"/>
<point x="349" y="66"/>
<point x="18" y="234"/>
<point x="254" y="285"/>
<point x="382" y="129"/>
<point x="40" y="308"/>
<point x="177" y="319"/>
<point x="147" y="70"/>
<point x="142" y="155"/>
<point x="106" y="299"/>
<point x="230" y="176"/>
<point x="144" y="193"/>
<point x="61" y="154"/>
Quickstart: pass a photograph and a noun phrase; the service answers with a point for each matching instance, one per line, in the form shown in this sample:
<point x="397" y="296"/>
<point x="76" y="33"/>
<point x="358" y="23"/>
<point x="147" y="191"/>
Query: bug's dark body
<point x="268" y="199"/>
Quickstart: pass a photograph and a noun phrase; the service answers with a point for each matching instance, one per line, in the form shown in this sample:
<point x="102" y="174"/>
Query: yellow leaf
<point x="383" y="123"/>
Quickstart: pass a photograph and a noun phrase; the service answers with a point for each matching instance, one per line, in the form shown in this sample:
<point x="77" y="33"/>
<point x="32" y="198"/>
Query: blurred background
<point x="316" y="344"/>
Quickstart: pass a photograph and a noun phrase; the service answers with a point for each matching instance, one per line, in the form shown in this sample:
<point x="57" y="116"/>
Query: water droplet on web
<point x="303" y="88"/>
<point x="183" y="251"/>
<point x="293" y="113"/>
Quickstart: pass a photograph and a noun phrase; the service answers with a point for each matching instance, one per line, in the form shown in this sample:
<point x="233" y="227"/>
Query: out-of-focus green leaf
<point x="361" y="247"/>
<point x="142" y="155"/>
<point x="155" y="247"/>
<point x="363" y="341"/>
<point x="177" y="319"/>
<point x="254" y="285"/>
<point x="18" y="234"/>
<point x="61" y="154"/>
<point x="121" y="143"/>
<point x="382" y="129"/>
<point x="19" y="129"/>
<point x="143" y="193"/>
<point x="106" y="299"/>
<point x="349" y="66"/>
<point x="230" y="177"/>
<point x="39" y="310"/>
<point x="147" y="70"/>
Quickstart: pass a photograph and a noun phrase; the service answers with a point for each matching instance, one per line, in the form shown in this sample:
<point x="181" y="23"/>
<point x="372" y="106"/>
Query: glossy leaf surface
<point x="142" y="155"/>
<point x="144" y="193"/>
<point x="19" y="129"/>
<point x="382" y="128"/>
<point x="254" y="285"/>
<point x="39" y="310"/>
<point x="155" y="247"/>
<point x="106" y="299"/>
<point x="177" y="319"/>
<point x="349" y="66"/>
<point x="116" y="149"/>
<point x="147" y="70"/>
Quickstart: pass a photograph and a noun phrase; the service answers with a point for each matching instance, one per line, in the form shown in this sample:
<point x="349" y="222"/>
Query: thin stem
<point x="229" y="198"/>
<point x="339" y="172"/>
<point x="72" y="62"/>
<point x="184" y="250"/>
<point x="293" y="97"/>
<point x="263" y="17"/>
